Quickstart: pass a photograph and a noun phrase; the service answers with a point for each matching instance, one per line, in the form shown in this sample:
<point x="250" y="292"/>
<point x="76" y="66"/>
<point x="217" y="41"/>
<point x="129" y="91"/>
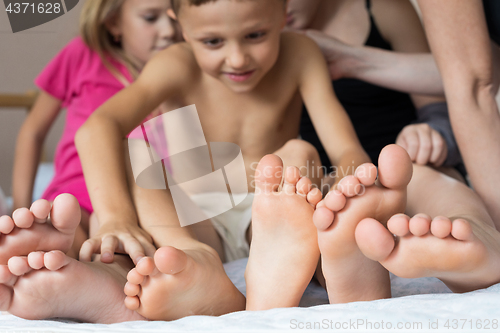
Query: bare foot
<point x="48" y="285"/>
<point x="284" y="250"/>
<point x="461" y="254"/>
<point x="349" y="275"/>
<point x="33" y="230"/>
<point x="179" y="283"/>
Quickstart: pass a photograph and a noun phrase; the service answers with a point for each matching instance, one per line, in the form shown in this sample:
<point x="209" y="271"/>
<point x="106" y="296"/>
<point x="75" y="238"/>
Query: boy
<point x="240" y="71"/>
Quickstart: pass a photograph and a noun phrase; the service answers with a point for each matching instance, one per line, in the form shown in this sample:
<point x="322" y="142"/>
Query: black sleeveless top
<point x="492" y="13"/>
<point x="378" y="114"/>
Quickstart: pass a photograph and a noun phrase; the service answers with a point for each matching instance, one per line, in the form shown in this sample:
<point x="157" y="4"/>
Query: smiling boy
<point x="246" y="79"/>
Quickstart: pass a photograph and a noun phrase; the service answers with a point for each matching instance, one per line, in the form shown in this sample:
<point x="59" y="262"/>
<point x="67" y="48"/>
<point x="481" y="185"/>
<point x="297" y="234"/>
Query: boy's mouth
<point x="239" y="77"/>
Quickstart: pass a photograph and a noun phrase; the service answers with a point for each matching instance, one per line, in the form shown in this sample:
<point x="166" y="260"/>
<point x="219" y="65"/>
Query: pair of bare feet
<point x="362" y="234"/>
<point x="353" y="231"/>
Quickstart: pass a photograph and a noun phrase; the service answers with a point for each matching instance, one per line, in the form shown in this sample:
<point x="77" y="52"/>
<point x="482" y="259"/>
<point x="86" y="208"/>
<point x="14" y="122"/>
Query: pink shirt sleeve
<point x="55" y="79"/>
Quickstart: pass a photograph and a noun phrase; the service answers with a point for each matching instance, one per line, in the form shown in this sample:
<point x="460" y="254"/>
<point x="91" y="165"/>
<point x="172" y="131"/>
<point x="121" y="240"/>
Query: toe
<point x="314" y="196"/>
<point x="350" y="186"/>
<point x="292" y="176"/>
<point x="132" y="302"/>
<point x="394" y="167"/>
<point x="23" y="218"/>
<point x="19" y="265"/>
<point x="131" y="289"/>
<point x="135" y="277"/>
<point x="40" y="210"/>
<point x="268" y="174"/>
<point x="55" y="260"/>
<point x="366" y="174"/>
<point x="399" y="225"/>
<point x="461" y="230"/>
<point x="304" y="185"/>
<point x="170" y="260"/>
<point x="375" y="241"/>
<point x="6" y="224"/>
<point x="145" y="266"/>
<point x="35" y="259"/>
<point x="335" y="200"/>
<point x="441" y="227"/>
<point x="323" y="218"/>
<point x="420" y="224"/>
<point x="65" y="214"/>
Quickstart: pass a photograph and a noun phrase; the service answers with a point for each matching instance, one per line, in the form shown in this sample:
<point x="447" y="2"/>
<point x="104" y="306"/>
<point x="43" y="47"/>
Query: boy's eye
<point x="212" y="42"/>
<point x="150" y="18"/>
<point x="256" y="35"/>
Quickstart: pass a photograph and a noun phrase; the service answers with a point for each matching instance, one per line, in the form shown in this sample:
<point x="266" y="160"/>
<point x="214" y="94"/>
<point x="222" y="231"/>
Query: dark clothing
<point x="492" y="13"/>
<point x="378" y="114"/>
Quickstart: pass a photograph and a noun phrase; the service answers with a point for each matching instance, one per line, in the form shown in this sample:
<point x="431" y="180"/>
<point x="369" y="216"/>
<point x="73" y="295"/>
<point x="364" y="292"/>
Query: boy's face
<point x="235" y="41"/>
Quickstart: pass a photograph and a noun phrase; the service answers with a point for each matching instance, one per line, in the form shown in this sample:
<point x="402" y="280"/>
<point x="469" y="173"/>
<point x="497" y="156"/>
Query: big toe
<point x="170" y="260"/>
<point x="375" y="241"/>
<point x="65" y="214"/>
<point x="394" y="167"/>
<point x="269" y="173"/>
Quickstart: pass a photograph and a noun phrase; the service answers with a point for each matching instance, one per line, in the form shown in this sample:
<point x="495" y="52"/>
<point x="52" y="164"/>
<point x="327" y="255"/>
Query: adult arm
<point x="460" y="43"/>
<point x="29" y="146"/>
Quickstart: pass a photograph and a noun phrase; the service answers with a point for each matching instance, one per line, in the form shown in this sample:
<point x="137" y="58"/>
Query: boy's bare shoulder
<point x="298" y="49"/>
<point x="174" y="65"/>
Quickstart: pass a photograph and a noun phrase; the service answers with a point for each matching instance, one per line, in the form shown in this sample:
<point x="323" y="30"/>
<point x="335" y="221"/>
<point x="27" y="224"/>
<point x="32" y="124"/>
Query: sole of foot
<point x="46" y="284"/>
<point x="348" y="274"/>
<point x="284" y="249"/>
<point x="462" y="255"/>
<point x="176" y="283"/>
<point x="33" y="229"/>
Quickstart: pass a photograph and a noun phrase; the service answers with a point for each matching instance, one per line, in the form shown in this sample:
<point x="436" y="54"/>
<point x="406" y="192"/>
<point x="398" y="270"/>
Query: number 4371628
<point x="26" y="7"/>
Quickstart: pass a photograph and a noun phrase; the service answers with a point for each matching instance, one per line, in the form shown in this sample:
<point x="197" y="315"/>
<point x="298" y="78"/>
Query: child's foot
<point x="464" y="256"/>
<point x="284" y="250"/>
<point x="51" y="284"/>
<point x="179" y="283"/>
<point x="33" y="230"/>
<point x="349" y="275"/>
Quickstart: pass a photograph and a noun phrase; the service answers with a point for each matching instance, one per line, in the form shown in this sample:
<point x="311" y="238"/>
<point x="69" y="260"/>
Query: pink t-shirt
<point x="78" y="78"/>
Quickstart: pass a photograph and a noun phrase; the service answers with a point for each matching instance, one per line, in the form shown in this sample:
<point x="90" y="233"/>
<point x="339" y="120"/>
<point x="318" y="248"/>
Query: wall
<point x="22" y="56"/>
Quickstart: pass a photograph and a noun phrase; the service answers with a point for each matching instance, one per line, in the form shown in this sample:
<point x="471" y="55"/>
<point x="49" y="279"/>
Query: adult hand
<point x="424" y="144"/>
<point x="120" y="238"/>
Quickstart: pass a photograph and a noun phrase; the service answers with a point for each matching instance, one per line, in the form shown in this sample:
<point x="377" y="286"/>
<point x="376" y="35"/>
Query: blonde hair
<point x="93" y="19"/>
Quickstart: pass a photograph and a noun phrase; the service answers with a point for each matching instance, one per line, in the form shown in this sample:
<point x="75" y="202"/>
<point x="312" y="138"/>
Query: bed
<point x="418" y="305"/>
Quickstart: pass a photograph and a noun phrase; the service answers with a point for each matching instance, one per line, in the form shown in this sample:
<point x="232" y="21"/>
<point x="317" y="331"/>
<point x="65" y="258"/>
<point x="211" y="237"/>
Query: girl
<point x="117" y="38"/>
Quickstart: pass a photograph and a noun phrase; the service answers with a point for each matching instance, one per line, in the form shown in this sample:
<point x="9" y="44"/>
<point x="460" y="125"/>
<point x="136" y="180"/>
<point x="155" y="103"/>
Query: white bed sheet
<point x="416" y="303"/>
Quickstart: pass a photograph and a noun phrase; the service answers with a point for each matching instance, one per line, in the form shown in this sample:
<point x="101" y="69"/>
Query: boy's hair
<point x="176" y="4"/>
<point x="93" y="19"/>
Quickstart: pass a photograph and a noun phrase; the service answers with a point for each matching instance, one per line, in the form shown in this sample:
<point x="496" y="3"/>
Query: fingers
<point x="89" y="247"/>
<point x="439" y="149"/>
<point x="408" y="139"/>
<point x="108" y="248"/>
<point x="424" y="144"/>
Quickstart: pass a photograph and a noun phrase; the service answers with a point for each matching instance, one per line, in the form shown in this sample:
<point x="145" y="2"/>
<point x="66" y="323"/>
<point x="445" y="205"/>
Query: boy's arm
<point x="100" y="144"/>
<point x="329" y="118"/>
<point x="29" y="145"/>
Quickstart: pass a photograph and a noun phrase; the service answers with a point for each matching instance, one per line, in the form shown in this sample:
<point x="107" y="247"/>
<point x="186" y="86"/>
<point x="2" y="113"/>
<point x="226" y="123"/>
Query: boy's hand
<point x="424" y="144"/>
<point x="120" y="238"/>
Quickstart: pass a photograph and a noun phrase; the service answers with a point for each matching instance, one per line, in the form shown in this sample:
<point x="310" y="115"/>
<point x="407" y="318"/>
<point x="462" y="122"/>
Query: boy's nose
<point x="237" y="59"/>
